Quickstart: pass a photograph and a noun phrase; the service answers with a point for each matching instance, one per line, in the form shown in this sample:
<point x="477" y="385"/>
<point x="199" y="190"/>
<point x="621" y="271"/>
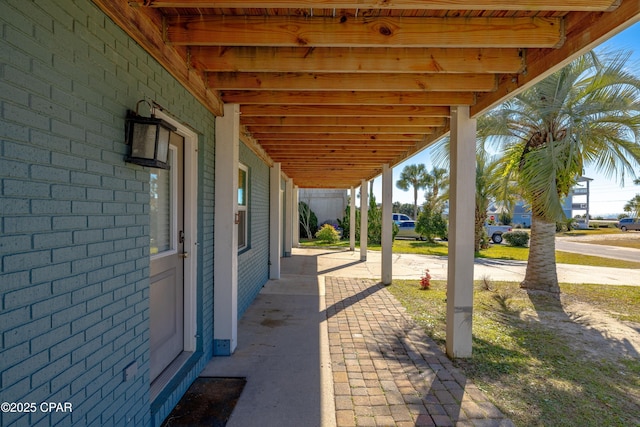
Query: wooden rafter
<point x="354" y="81"/>
<point x="357" y="60"/>
<point x="348" y="124"/>
<point x="361" y="110"/>
<point x="565" y="5"/>
<point x="292" y="31"/>
<point x="348" y="98"/>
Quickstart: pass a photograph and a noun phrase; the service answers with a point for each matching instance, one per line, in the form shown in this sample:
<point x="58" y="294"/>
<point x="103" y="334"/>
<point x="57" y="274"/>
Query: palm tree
<point x="489" y="187"/>
<point x="413" y="176"/>
<point x="437" y="183"/>
<point x="633" y="206"/>
<point x="585" y="114"/>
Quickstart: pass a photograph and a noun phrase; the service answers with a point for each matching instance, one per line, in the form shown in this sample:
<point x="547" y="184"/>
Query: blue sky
<point x="607" y="195"/>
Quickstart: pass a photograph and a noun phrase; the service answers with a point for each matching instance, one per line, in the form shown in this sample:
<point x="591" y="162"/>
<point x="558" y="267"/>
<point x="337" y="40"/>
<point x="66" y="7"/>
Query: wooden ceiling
<point x="334" y="89"/>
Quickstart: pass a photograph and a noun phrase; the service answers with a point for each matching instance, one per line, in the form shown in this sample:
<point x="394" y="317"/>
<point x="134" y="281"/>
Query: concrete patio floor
<point x="327" y="345"/>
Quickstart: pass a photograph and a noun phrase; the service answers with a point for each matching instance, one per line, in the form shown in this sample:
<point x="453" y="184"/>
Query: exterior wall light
<point x="148" y="138"/>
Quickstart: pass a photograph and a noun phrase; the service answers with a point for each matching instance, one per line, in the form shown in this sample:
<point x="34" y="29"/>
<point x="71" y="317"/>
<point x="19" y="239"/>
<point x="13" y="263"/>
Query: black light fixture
<point x="148" y="138"/>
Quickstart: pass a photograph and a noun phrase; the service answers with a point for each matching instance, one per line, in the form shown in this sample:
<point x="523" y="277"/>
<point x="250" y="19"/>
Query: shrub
<point x="431" y="224"/>
<point x="516" y="238"/>
<point x="328" y="234"/>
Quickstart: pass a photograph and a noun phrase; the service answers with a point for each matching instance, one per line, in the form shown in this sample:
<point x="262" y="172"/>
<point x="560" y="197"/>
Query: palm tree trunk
<point x="480" y="219"/>
<point x="541" y="271"/>
<point x="415" y="202"/>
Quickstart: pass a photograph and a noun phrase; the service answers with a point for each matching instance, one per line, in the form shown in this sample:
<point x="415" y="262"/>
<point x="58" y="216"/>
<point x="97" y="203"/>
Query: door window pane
<point x="243" y="201"/>
<point x="160" y="203"/>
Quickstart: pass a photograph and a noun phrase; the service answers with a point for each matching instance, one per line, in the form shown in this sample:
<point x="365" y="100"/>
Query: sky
<point x="607" y="196"/>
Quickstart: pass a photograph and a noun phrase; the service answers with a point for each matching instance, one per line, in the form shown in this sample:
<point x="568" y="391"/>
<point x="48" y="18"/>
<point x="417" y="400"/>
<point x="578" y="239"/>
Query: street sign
<point x="579" y="206"/>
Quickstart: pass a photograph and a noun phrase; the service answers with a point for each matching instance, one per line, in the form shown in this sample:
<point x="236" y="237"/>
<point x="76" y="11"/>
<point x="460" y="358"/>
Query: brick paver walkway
<point x="388" y="372"/>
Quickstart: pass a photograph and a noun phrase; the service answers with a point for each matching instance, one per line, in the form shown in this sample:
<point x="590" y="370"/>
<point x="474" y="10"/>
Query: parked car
<point x="407" y="229"/>
<point x="495" y="232"/>
<point x="629" y="224"/>
<point x="397" y="217"/>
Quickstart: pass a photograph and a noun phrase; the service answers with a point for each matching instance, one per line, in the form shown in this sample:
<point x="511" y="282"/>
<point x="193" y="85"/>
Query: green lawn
<point x="530" y="371"/>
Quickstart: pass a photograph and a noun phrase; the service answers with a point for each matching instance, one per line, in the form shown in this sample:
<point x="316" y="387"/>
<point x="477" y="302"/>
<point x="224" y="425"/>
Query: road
<point x="627" y="254"/>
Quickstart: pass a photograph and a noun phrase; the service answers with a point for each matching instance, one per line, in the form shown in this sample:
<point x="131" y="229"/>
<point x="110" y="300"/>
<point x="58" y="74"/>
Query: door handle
<point x="183" y="255"/>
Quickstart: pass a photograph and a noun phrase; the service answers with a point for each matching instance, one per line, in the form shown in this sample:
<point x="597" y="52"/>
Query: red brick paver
<point x="387" y="371"/>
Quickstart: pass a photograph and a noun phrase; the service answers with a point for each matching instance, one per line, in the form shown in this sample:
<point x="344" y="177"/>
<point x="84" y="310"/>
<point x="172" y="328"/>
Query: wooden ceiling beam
<point x="353" y="81"/>
<point x="346" y="123"/>
<point x="346" y="130"/>
<point x="288" y="112"/>
<point x="565" y="5"/>
<point x="342" y="31"/>
<point x="265" y="97"/>
<point x="306" y="136"/>
<point x="356" y="60"/>
<point x="337" y="142"/>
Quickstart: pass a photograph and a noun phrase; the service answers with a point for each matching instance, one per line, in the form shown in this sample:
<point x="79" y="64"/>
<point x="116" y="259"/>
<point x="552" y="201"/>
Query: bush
<point x="516" y="238"/>
<point x="328" y="234"/>
<point x="431" y="224"/>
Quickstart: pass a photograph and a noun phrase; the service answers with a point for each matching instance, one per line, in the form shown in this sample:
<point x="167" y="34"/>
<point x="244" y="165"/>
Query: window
<point x="162" y="204"/>
<point x="243" y="203"/>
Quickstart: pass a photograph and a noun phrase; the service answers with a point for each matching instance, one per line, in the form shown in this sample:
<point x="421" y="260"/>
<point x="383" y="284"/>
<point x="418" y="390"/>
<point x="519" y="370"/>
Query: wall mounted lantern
<point x="148" y="138"/>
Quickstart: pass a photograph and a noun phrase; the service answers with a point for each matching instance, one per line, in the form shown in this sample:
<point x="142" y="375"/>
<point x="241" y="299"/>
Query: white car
<point x="397" y="217"/>
<point x="407" y="229"/>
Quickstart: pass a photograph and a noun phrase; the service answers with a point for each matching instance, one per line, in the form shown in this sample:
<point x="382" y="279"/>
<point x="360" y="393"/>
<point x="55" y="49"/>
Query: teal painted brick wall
<point x="253" y="264"/>
<point x="74" y="224"/>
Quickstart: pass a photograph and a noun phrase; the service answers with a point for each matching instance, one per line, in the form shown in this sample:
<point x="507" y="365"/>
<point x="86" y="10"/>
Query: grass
<point x="530" y="371"/>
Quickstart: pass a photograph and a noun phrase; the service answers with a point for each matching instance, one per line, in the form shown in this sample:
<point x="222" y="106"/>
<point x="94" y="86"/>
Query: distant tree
<point x="404" y="208"/>
<point x="308" y="220"/>
<point x="431" y="224"/>
<point x="413" y="176"/>
<point x="437" y="185"/>
<point x="633" y="206"/>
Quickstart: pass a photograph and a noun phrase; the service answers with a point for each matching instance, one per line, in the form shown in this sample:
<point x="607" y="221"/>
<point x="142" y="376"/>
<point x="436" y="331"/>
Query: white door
<point x="167" y="260"/>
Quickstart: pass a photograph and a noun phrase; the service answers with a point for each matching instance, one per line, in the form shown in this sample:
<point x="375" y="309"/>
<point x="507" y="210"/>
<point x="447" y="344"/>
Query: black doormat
<point x="208" y="402"/>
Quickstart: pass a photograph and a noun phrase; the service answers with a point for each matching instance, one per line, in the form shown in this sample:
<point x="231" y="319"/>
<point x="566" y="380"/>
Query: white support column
<point x="275" y="222"/>
<point x="296" y="217"/>
<point x="387" y="224"/>
<point x="364" y="219"/>
<point x="352" y="220"/>
<point x="461" y="230"/>
<point x="288" y="217"/>
<point x="225" y="259"/>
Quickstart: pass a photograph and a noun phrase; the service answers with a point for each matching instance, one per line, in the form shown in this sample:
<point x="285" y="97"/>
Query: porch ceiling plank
<point x="348" y="98"/>
<point x="293" y="112"/>
<point x="352" y="137"/>
<point x="354" y="81"/>
<point x="408" y="122"/>
<point x="293" y="31"/>
<point x="565" y="5"/>
<point x="268" y="144"/>
<point x="356" y="60"/>
<point x="291" y="123"/>
<point x="142" y="24"/>
<point x="336" y="129"/>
